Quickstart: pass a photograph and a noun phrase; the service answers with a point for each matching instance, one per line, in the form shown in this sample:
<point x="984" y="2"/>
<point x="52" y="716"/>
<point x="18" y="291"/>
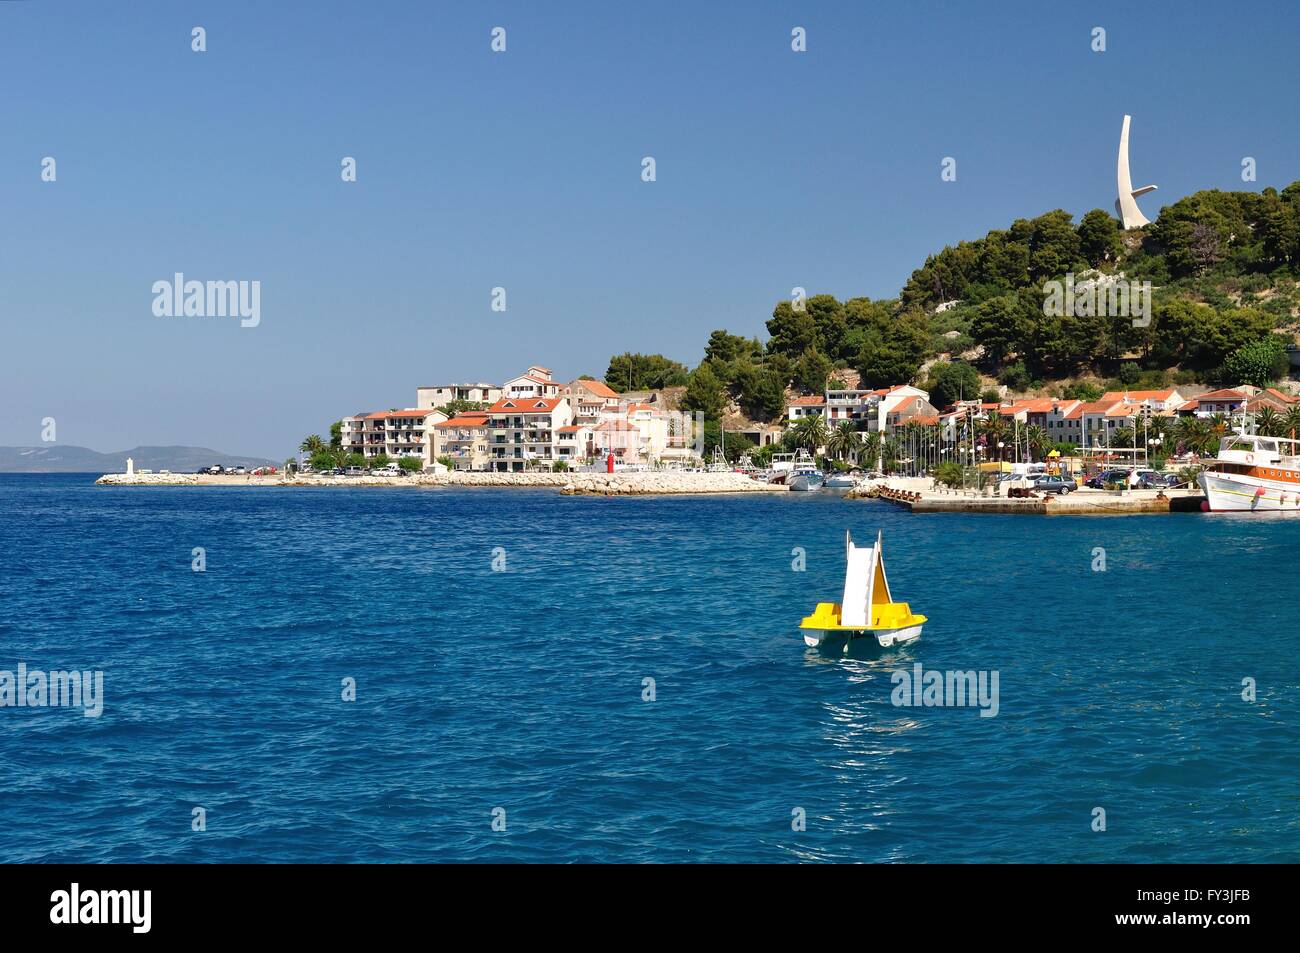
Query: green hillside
<point x="1223" y="268"/>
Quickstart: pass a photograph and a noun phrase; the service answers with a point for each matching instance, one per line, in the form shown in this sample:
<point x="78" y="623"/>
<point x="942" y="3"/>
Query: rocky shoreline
<point x="648" y="483"/>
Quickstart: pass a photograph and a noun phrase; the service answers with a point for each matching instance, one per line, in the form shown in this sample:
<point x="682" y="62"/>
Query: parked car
<point x="1103" y="479"/>
<point x="1053" y="484"/>
<point x="354" y="471"/>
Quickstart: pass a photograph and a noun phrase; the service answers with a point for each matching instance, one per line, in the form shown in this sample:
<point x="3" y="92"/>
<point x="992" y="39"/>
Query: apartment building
<point x="618" y="437"/>
<point x="574" y="443"/>
<point x="1228" y="401"/>
<point x="591" y="400"/>
<point x="907" y="409"/>
<point x="1098" y="421"/>
<point x="809" y="406"/>
<point x="523" y="431"/>
<point x="440" y="395"/>
<point x="1156" y="401"/>
<point x="870" y="409"/>
<point x="395" y="433"/>
<point x="464" y="438"/>
<point x="535" y="382"/>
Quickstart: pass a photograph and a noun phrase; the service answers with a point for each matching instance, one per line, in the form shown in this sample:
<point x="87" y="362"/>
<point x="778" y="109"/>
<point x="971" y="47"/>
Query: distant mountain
<point x="64" y="458"/>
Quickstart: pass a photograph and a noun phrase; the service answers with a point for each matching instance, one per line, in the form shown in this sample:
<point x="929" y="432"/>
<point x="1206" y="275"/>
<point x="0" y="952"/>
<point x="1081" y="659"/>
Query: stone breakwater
<point x="636" y="484"/>
<point x="603" y="484"/>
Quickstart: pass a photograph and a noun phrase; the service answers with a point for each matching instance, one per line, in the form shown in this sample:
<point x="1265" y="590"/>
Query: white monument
<point x="1126" y="205"/>
<point x="130" y="467"/>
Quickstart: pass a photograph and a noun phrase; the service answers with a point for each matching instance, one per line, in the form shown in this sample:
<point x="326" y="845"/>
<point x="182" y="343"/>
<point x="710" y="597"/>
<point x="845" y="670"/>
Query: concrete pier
<point x="1082" y="502"/>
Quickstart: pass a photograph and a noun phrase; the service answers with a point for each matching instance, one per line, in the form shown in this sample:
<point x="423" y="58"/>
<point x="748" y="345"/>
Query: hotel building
<point x="464" y="438"/>
<point x="523" y="432"/>
<point x="394" y="433"/>
<point x="440" y="395"/>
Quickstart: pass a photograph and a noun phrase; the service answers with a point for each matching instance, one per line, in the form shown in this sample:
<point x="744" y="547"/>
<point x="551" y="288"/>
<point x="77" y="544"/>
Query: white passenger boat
<point x="1253" y="474"/>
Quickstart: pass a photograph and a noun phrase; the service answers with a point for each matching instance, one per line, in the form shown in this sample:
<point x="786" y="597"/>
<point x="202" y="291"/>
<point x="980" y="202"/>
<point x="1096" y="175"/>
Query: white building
<point x="464" y="438"/>
<point x="870" y="409"/>
<point x="590" y="399"/>
<point x="1157" y="401"/>
<point x="801" y="407"/>
<point x="394" y="433"/>
<point x="535" y="382"/>
<point x="523" y="431"/>
<point x="440" y="395"/>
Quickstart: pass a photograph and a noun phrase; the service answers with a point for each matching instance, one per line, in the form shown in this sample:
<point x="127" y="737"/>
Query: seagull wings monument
<point x="1126" y="205"/>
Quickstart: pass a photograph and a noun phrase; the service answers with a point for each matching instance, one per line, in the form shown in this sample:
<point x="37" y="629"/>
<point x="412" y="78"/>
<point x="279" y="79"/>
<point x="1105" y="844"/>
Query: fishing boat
<point x="866" y="607"/>
<point x="805" y="476"/>
<point x="1253" y="474"/>
<point x="780" y="467"/>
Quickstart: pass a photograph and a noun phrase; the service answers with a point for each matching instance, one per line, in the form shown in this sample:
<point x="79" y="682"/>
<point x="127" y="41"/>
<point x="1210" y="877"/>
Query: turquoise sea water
<point x="523" y="690"/>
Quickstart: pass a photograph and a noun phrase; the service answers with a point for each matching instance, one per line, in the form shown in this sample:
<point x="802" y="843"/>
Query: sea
<point x="499" y="675"/>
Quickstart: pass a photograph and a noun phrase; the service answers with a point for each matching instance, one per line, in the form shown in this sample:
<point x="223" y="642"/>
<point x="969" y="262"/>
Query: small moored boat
<point x="866" y="607"/>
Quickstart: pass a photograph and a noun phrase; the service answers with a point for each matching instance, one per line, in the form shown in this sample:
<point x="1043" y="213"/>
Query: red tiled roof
<point x="810" y="401"/>
<point x="572" y="428"/>
<point x="464" y="420"/>
<point x="535" y="380"/>
<point x="401" y="413"/>
<point x="525" y="405"/>
<point x="1226" y="393"/>
<point x="598" y="388"/>
<point x="1032" y="405"/>
<point x="1139" y="395"/>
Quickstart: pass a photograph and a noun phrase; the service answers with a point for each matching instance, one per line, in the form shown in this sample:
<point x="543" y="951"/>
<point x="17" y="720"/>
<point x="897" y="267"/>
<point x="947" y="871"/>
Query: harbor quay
<point x="919" y="496"/>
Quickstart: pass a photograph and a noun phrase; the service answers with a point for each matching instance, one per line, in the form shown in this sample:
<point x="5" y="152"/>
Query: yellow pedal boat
<point x="866" y="606"/>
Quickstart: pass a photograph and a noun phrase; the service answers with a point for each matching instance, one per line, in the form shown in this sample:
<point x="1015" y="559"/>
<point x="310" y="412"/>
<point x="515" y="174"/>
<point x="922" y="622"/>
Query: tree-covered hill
<point x="1223" y="267"/>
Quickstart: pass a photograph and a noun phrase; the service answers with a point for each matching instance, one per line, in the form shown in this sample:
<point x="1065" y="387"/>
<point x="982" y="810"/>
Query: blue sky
<point x="522" y="170"/>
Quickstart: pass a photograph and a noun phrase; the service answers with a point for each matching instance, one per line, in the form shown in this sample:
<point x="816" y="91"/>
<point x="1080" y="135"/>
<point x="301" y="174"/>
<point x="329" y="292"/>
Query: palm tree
<point x="1123" y="437"/>
<point x="844" y="441"/>
<point x="1196" y="435"/>
<point x="1038" y="441"/>
<point x="1291" y="423"/>
<point x="810" y="433"/>
<point x="312" y="445"/>
<point x="871" y="446"/>
<point x="993" y="429"/>
<point x="1269" y="423"/>
<point x="1218" y="426"/>
<point x="889" y="454"/>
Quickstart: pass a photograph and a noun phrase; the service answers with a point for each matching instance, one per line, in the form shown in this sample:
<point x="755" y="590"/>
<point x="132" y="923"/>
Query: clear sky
<point x="522" y="169"/>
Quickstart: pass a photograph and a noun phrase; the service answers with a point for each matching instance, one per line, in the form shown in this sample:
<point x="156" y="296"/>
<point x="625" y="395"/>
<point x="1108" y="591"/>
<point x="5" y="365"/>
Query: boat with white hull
<point x="866" y="608"/>
<point x="1253" y="474"/>
<point x="805" y="476"/>
<point x="841" y="481"/>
